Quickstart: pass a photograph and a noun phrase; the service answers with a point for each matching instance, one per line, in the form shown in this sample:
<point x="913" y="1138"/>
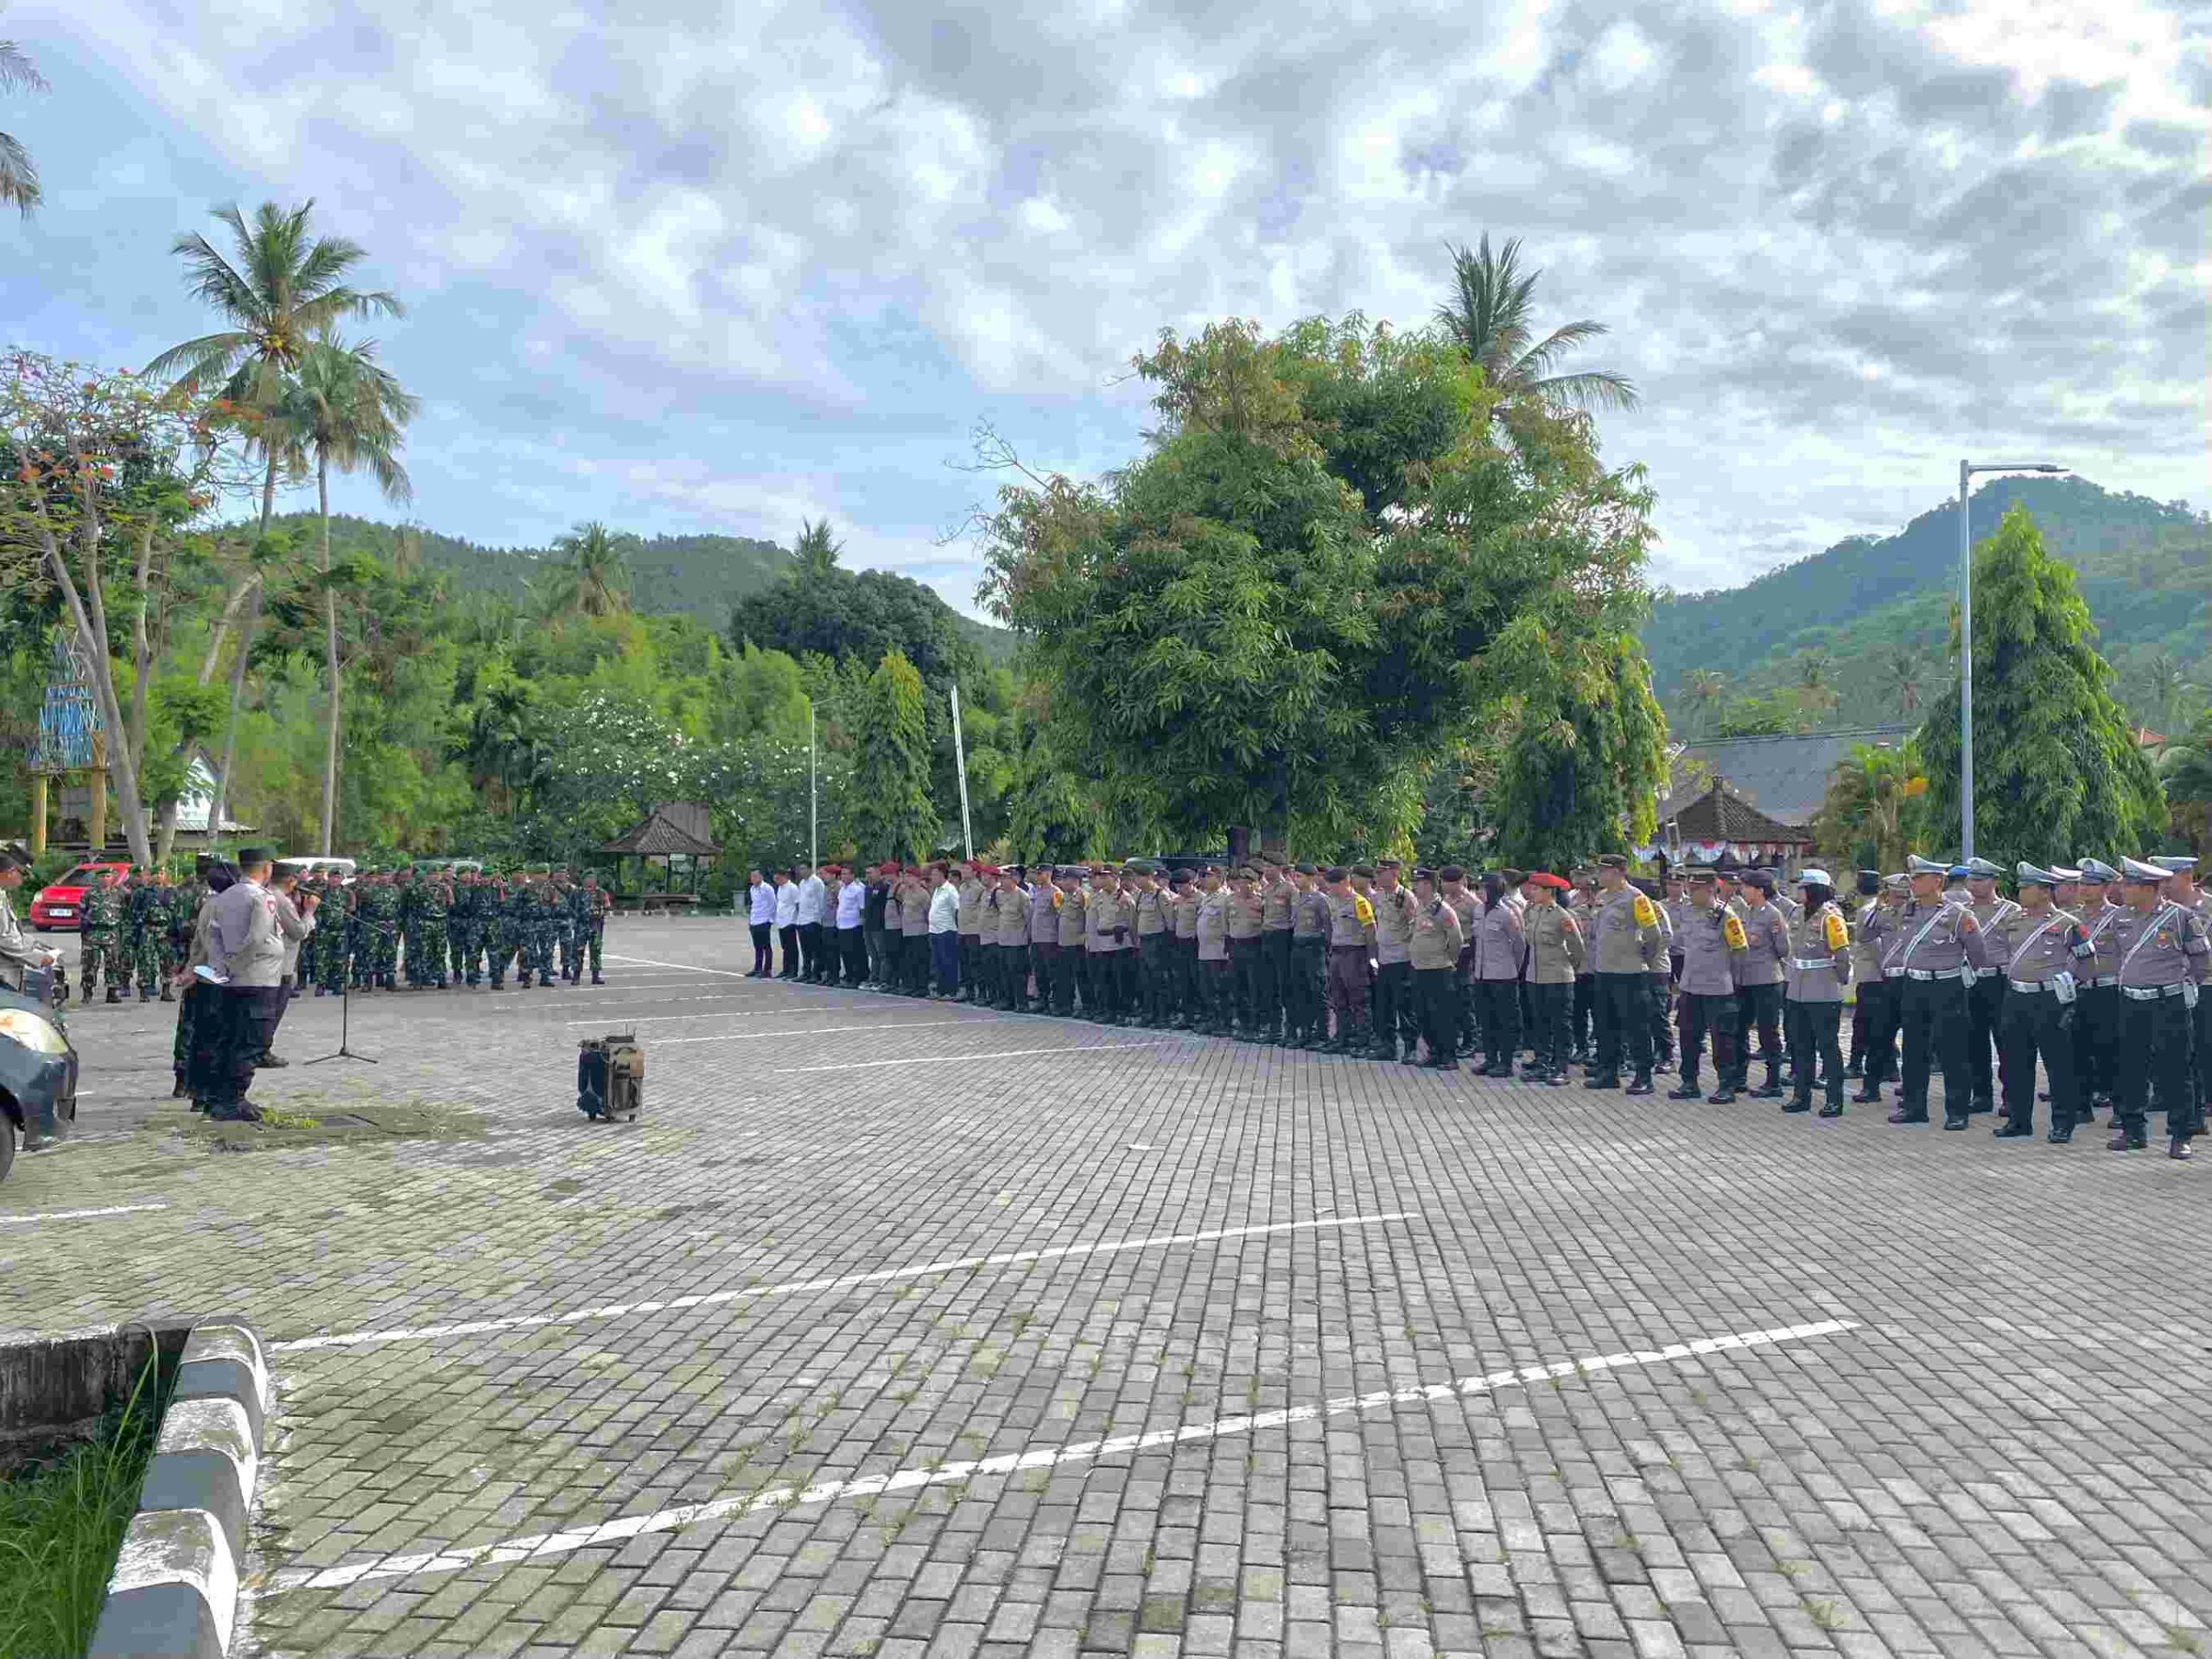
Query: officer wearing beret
<point x="1625" y="941"/>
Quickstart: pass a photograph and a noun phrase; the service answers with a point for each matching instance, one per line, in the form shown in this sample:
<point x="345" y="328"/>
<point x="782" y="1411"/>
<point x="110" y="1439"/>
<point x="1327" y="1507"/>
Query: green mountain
<point x="696" y="575"/>
<point x="1847" y="616"/>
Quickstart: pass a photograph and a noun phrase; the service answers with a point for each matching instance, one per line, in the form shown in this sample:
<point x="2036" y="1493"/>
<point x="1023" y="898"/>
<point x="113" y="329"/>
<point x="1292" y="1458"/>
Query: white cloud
<point x="801" y="224"/>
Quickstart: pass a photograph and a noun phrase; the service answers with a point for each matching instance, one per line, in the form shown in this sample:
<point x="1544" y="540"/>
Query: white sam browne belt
<point x="1806" y="964"/>
<point x="1932" y="973"/>
<point x="2151" y="993"/>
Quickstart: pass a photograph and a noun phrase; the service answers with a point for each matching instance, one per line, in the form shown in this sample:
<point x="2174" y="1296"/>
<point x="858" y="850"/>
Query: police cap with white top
<point x="1983" y="867"/>
<point x="2097" y="871"/>
<point x="1916" y="865"/>
<point x="1809" y="877"/>
<point x="2174" y="863"/>
<point x="2134" y="869"/>
<point x="2031" y="877"/>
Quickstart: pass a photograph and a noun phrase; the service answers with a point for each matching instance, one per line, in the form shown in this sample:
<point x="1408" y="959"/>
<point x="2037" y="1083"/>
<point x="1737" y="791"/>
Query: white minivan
<point x="326" y="867"/>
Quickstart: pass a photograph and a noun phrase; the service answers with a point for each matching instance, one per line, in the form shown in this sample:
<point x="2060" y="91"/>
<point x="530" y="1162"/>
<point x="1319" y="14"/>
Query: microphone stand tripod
<point x="345" y="1022"/>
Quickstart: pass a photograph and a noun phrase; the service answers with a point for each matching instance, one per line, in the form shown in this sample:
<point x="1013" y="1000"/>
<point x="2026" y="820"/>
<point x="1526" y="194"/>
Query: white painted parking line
<point x="819" y="1031"/>
<point x="996" y="1054"/>
<point x="541" y="1545"/>
<point x="682" y="967"/>
<point x="840" y="1282"/>
<point x="81" y="1215"/>
<point x="738" y="1013"/>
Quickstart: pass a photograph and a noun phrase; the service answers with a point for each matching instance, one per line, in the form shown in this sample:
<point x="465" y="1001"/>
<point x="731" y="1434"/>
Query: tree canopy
<point x="2058" y="771"/>
<point x="1287" y="610"/>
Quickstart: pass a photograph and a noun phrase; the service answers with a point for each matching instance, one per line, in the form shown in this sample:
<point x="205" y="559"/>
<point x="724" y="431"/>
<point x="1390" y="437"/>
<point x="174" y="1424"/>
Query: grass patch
<point x="62" y="1519"/>
<point x="337" y="1121"/>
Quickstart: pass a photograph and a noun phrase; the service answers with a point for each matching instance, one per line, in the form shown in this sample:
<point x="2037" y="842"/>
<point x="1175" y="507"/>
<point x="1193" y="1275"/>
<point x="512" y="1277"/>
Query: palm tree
<point x="1704" y="687"/>
<point x="2185" y="770"/>
<point x="346" y="411"/>
<point x="814" y="555"/>
<point x="1903" y="669"/>
<point x="2170" y="693"/>
<point x="285" y="291"/>
<point x="1489" y="318"/>
<point x="594" y="575"/>
<point x="18" y="175"/>
<point x="1816" y="675"/>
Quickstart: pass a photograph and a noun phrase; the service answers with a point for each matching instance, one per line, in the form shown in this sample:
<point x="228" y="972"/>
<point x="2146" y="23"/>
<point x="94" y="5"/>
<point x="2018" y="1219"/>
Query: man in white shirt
<point x="760" y="918"/>
<point x="944" y="933"/>
<point x="245" y="956"/>
<point x="811" y="892"/>
<point x="787" y="920"/>
<point x="848" y="962"/>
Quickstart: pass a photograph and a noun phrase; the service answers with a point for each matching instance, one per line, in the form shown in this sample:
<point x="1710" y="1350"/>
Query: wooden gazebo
<point x="674" y="836"/>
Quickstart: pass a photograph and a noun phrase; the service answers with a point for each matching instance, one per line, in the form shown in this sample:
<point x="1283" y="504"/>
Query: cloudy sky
<point x="748" y="263"/>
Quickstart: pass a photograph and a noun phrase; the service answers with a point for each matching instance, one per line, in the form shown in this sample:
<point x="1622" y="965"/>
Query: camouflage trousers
<point x="465" y="942"/>
<point x="426" y="953"/>
<point x="103" y="951"/>
<point x="383" y="954"/>
<point x="563" y="935"/>
<point x="145" y="953"/>
<point x="326" y="949"/>
<point x="589" y="941"/>
<point x="538" y="952"/>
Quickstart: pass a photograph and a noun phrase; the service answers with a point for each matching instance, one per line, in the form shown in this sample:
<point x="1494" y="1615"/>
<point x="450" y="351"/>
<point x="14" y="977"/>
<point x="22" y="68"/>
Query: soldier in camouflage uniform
<point x="103" y="947"/>
<point x="521" y="920"/>
<point x="379" y="914"/>
<point x="426" y="940"/>
<point x="593" y="904"/>
<point x="330" y="945"/>
<point x="564" y="934"/>
<point x="465" y="928"/>
<point x="141" y="926"/>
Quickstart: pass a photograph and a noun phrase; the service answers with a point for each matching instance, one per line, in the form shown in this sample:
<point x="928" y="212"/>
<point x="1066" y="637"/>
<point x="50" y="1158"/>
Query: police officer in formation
<point x="2092" y="974"/>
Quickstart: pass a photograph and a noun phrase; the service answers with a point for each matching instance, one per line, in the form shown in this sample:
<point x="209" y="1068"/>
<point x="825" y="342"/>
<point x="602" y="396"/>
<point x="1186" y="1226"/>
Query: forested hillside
<point x="1859" y="633"/>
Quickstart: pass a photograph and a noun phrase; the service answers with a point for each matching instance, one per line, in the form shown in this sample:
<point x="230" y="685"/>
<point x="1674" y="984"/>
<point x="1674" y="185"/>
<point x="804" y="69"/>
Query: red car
<point x="62" y="905"/>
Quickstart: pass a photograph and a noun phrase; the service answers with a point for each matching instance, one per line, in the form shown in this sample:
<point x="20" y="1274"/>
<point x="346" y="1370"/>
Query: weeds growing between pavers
<point x="62" y="1517"/>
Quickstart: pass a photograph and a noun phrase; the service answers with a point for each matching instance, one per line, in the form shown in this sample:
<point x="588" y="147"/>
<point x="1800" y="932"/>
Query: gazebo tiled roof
<point x="658" y="838"/>
<point x="1718" y="813"/>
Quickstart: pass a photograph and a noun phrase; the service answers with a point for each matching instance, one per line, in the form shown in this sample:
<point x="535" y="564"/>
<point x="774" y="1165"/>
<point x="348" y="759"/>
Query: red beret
<point x="1546" y="879"/>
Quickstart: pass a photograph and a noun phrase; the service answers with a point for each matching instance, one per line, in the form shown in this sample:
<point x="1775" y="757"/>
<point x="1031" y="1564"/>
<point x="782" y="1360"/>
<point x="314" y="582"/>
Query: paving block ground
<point x="902" y="1329"/>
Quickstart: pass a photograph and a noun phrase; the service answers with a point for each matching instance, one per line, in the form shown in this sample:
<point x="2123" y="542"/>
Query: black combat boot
<point x="114" y="995"/>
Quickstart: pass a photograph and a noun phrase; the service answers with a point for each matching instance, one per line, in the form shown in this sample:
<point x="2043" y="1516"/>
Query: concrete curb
<point x="174" y="1591"/>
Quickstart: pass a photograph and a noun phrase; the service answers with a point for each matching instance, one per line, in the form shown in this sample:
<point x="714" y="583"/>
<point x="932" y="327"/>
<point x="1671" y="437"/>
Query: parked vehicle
<point x="38" y="1076"/>
<point x="62" y="904"/>
<point x="308" y="864"/>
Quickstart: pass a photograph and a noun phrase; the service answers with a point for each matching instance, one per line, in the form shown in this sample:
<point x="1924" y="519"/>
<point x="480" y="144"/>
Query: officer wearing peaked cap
<point x="2037" y="951"/>
<point x="2162" y="948"/>
<point x="1986" y="1001"/>
<point x="2185" y="890"/>
<point x="1939" y="944"/>
<point x="2096" y="1018"/>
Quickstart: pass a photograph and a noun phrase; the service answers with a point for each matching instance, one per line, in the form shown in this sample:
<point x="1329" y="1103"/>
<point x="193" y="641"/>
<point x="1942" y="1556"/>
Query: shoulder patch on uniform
<point x="1838" y="934"/>
<point x="1365" y="911"/>
<point x="1732" y="930"/>
<point x="1645" y="915"/>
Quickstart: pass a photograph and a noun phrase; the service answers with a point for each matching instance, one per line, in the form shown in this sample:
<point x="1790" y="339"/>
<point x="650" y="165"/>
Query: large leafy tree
<point x="280" y="289"/>
<point x="890" y="814"/>
<point x="857" y="616"/>
<point x="346" y="411"/>
<point x="18" y="175"/>
<point x="2058" y="771"/>
<point x="1585" y="754"/>
<point x="1490" y="317"/>
<point x="1285" y="614"/>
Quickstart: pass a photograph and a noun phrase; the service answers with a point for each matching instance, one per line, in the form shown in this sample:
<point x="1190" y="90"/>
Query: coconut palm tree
<point x="1489" y="318"/>
<point x="1815" y="676"/>
<point x="283" y="289"/>
<point x="346" y="411"/>
<point x="18" y="175"/>
<point x="1704" y="687"/>
<point x="594" y="572"/>
<point x="1903" y="670"/>
<point x="814" y="555"/>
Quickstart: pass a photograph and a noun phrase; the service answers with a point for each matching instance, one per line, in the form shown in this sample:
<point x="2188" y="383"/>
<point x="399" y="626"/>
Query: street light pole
<point x="813" y="851"/>
<point x="1966" y="470"/>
